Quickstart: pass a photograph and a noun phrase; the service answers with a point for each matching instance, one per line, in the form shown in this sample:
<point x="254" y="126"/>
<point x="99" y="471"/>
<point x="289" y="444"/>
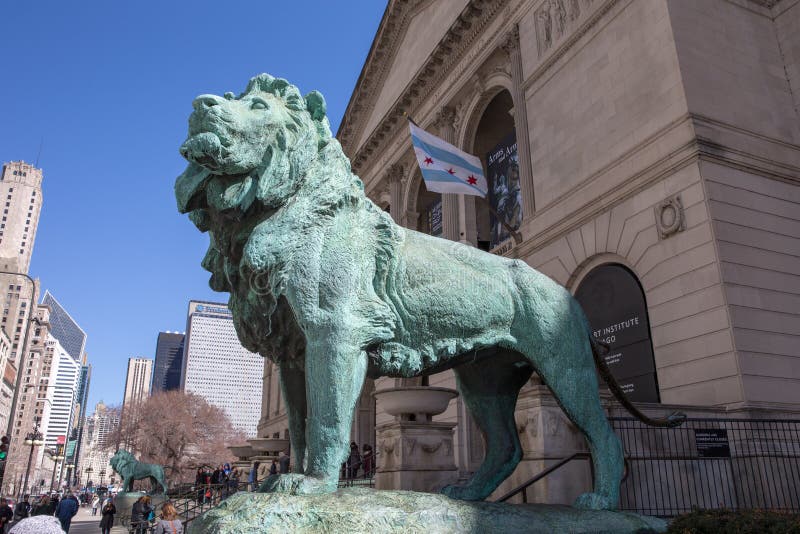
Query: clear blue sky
<point x="108" y="86"/>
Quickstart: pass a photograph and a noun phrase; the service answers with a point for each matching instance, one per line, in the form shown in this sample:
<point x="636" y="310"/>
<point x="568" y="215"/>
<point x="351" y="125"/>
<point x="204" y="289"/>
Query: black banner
<point x="614" y="304"/>
<point x="712" y="443"/>
<point x="505" y="196"/>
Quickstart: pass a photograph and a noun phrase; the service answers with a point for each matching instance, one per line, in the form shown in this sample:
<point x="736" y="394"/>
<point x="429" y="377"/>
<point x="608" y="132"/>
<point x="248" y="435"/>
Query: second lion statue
<point x="325" y="284"/>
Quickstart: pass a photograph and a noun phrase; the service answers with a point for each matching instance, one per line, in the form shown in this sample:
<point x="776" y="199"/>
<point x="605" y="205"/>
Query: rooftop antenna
<point x="39" y="154"/>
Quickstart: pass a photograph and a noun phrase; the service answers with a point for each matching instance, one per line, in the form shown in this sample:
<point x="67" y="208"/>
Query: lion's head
<point x="120" y="461"/>
<point x="250" y="148"/>
<point x="249" y="155"/>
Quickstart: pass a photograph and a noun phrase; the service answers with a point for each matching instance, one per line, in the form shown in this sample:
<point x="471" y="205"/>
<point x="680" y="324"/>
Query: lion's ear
<point x="315" y="104"/>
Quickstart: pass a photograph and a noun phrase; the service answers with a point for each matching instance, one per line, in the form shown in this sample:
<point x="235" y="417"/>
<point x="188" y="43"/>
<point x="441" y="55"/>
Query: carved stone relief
<point x="670" y="218"/>
<point x="557" y="18"/>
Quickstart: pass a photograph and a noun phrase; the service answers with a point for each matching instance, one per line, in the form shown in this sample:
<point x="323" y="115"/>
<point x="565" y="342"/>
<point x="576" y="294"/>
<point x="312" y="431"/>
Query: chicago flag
<point x="445" y="168"/>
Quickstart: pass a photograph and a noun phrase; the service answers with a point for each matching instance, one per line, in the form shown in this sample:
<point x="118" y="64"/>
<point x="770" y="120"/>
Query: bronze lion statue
<point x="131" y="469"/>
<point x="325" y="284"/>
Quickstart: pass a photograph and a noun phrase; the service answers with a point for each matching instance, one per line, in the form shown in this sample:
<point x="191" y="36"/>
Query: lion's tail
<point x="599" y="349"/>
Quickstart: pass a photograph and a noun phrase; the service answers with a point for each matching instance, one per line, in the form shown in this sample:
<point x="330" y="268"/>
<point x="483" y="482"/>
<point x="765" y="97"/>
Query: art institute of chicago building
<point x="653" y="170"/>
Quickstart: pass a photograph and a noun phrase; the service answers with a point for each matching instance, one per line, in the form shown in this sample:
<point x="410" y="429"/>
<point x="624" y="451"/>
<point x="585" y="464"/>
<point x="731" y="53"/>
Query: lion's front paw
<point x="463" y="493"/>
<point x="296" y="484"/>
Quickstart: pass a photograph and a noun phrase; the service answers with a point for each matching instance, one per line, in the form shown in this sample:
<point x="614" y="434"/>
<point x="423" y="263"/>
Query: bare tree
<point x="178" y="430"/>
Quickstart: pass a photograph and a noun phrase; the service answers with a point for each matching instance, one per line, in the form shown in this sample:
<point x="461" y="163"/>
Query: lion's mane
<point x="303" y="168"/>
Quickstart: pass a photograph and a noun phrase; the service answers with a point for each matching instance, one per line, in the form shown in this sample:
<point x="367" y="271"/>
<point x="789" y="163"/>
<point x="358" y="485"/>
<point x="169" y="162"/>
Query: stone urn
<point x="414" y="452"/>
<point x="243" y="451"/>
<point x="269" y="445"/>
<point x="415" y="403"/>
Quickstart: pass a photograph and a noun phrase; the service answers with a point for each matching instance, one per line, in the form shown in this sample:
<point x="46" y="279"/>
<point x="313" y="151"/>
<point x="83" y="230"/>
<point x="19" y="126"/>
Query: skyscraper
<point x="21" y="191"/>
<point x="64" y="328"/>
<point x="137" y="383"/>
<point x="95" y="439"/>
<point x="215" y="365"/>
<point x="62" y="389"/>
<point x="169" y="361"/>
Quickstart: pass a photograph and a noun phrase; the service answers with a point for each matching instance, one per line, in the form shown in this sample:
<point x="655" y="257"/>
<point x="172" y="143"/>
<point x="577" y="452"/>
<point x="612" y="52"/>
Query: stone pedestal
<point x="363" y="510"/>
<point x="415" y="456"/>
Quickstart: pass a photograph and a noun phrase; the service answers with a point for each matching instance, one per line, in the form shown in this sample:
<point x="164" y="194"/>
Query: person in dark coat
<point x="273" y="468"/>
<point x="6" y="514"/>
<point x="139" y="513"/>
<point x="368" y="459"/>
<point x="107" y="522"/>
<point x="43" y="507"/>
<point x="353" y="461"/>
<point x="23" y="508"/>
<point x="66" y="510"/>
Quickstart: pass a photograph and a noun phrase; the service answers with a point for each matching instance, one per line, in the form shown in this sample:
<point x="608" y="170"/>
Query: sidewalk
<point x="85" y="523"/>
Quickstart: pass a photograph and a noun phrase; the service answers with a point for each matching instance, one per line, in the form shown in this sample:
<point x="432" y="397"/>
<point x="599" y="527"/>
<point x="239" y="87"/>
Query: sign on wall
<point x="614" y="303"/>
<point x="712" y="443"/>
<point x="505" y="196"/>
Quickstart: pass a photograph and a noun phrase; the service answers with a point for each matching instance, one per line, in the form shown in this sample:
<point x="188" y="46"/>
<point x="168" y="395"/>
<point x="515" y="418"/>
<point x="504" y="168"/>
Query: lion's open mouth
<point x="205" y="149"/>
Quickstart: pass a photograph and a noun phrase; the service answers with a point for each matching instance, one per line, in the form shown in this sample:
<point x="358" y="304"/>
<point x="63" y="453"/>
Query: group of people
<point x="363" y="461"/>
<point x="211" y="484"/>
<point x="14" y="521"/>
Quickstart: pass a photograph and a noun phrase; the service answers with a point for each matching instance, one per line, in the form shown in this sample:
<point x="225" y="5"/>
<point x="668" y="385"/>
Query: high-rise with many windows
<point x="64" y="328"/>
<point x="137" y="383"/>
<point x="218" y="368"/>
<point x="21" y="194"/>
<point x="169" y="361"/>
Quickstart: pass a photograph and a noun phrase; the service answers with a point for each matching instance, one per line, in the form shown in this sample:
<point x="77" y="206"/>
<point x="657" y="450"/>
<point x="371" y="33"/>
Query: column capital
<point x="510" y="42"/>
<point x="445" y="117"/>
<point x="395" y="173"/>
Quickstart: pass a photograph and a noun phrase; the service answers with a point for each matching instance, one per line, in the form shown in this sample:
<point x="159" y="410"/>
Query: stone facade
<point x="661" y="136"/>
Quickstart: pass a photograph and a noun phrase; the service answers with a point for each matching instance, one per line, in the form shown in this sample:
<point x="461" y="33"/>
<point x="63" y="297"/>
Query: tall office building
<point x="137" y="383"/>
<point x="95" y="440"/>
<point x="7" y="377"/>
<point x="21" y="191"/>
<point x="215" y="365"/>
<point x="169" y="361"/>
<point x="64" y="328"/>
<point x="62" y="386"/>
<point x="31" y="399"/>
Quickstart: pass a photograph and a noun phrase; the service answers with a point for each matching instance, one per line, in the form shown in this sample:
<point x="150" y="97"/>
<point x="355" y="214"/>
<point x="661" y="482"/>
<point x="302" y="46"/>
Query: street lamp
<point x="56" y="456"/>
<point x="70" y="466"/>
<point x="32" y="439"/>
<point x="102" y="476"/>
<point x="89" y="471"/>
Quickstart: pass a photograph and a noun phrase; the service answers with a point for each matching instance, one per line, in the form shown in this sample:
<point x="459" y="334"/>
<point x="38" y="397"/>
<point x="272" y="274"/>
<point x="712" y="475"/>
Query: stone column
<point x="395" y="177"/>
<point x="511" y="47"/>
<point x="450" y="204"/>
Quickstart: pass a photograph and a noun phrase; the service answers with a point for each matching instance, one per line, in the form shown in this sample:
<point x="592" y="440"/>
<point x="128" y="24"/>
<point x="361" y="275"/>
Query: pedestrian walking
<point x="169" y="522"/>
<point x="107" y="521"/>
<point x="66" y="510"/>
<point x="23" y="508"/>
<point x="95" y="504"/>
<point x="44" y="506"/>
<point x="6" y="515"/>
<point x="273" y="468"/>
<point x="353" y="461"/>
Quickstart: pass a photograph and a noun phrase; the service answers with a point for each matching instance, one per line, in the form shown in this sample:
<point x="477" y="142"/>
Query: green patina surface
<point x="324" y="283"/>
<point x="361" y="510"/>
<point x="130" y="469"/>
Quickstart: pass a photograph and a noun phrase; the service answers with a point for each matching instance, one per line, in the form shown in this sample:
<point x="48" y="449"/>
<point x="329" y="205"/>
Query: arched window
<point x="614" y="303"/>
<point x="496" y="145"/>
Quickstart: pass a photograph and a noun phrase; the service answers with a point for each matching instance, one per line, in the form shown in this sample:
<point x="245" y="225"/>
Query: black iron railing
<point x="710" y="463"/>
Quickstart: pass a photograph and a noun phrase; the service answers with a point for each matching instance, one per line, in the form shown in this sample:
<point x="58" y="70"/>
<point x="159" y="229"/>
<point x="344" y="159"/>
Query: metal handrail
<point x="540" y="476"/>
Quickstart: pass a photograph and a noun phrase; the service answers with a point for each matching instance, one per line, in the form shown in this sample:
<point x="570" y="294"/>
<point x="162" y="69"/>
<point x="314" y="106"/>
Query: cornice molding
<point x="392" y="29"/>
<point x="444" y="58"/>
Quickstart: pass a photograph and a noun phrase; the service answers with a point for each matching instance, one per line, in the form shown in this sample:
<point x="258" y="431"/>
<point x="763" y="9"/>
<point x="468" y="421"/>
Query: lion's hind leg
<point x="570" y="374"/>
<point x="489" y="388"/>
